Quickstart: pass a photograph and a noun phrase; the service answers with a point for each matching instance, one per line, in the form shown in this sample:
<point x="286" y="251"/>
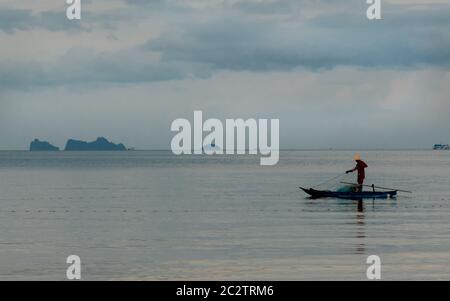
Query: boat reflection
<point x="356" y="217"/>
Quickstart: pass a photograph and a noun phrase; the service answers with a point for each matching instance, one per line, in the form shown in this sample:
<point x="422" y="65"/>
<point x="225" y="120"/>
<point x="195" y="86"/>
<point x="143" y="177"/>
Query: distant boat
<point x="441" y="147"/>
<point x="211" y="147"/>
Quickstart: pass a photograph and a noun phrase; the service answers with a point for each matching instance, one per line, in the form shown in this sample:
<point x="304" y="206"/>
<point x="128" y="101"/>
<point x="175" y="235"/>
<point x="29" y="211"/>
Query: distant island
<point x="101" y="144"/>
<point x="37" y="145"/>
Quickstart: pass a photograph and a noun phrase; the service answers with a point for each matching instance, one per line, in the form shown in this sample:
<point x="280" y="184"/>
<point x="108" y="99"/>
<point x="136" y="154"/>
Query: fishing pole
<point x="327" y="181"/>
<point x="373" y="186"/>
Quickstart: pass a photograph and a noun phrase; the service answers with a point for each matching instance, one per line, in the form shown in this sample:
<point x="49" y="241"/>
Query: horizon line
<point x="285" y="149"/>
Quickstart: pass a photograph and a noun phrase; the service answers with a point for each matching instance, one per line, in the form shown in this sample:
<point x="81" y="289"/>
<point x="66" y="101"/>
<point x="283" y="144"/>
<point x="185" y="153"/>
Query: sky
<point x="128" y="68"/>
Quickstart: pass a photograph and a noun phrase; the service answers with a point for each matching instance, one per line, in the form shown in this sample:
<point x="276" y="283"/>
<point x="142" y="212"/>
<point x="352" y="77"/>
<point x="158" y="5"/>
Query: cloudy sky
<point x="130" y="67"/>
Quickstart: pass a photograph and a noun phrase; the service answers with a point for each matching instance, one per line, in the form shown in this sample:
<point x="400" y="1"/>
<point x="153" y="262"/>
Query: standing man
<point x="360" y="167"/>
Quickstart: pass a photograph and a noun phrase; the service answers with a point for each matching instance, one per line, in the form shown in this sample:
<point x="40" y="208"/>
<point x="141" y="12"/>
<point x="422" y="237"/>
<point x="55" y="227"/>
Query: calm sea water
<point x="154" y="216"/>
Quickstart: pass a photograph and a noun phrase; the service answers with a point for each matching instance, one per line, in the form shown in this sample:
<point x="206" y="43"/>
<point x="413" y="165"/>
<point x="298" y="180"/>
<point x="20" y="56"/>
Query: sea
<point x="151" y="215"/>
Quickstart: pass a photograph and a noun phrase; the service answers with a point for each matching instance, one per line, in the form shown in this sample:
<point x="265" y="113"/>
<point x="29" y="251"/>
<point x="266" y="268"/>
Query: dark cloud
<point x="153" y="3"/>
<point x="326" y="41"/>
<point x="158" y="6"/>
<point x="82" y="67"/>
<point x="12" y="20"/>
<point x="286" y="7"/>
<point x="197" y="45"/>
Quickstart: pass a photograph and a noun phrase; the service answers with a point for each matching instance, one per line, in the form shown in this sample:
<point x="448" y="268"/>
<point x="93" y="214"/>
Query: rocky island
<point x="37" y="145"/>
<point x="101" y="144"/>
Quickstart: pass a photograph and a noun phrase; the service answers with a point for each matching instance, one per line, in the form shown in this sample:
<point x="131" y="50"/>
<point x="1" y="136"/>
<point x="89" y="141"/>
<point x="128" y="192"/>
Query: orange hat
<point x="357" y="157"/>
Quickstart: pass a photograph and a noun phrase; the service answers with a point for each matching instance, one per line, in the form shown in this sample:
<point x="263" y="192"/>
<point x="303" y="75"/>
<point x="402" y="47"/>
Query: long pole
<point x="373" y="186"/>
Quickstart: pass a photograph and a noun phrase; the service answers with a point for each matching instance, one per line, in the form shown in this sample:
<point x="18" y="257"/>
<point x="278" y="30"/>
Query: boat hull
<point x="316" y="194"/>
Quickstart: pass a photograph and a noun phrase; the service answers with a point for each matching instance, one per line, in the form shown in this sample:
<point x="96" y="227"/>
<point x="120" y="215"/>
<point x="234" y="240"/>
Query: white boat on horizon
<point x="441" y="147"/>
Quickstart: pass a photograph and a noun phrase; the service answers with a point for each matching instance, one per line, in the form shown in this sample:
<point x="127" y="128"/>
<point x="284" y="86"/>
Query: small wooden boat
<point x="316" y="194"/>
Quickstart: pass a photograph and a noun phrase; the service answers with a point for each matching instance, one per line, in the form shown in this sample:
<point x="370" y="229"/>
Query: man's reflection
<point x="360" y="230"/>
